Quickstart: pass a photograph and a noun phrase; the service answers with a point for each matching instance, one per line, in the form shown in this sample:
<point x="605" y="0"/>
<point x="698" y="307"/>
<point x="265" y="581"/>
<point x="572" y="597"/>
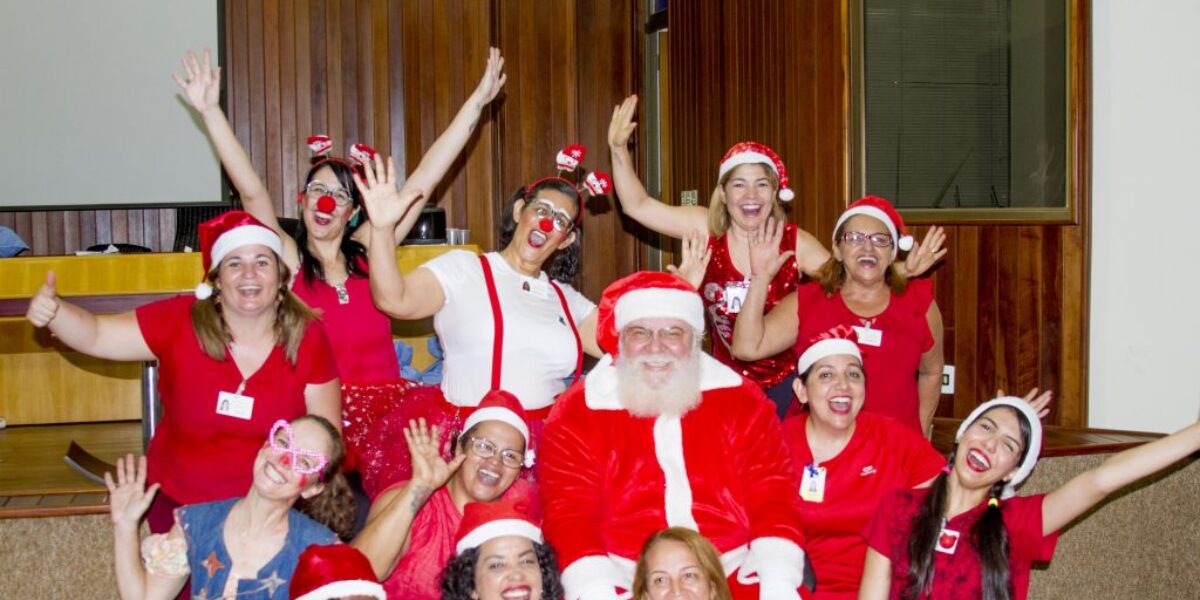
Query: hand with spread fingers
<point x="382" y="199"/>
<point x="492" y="80"/>
<point x="924" y="255"/>
<point x="694" y="257"/>
<point x="765" y="258"/>
<point x="429" y="469"/>
<point x="128" y="497"/>
<point x="621" y="128"/>
<point x="201" y="82"/>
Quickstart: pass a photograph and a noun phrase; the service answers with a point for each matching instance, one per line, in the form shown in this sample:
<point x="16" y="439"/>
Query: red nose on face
<point x="326" y="204"/>
<point x="546" y="225"/>
<point x="286" y="460"/>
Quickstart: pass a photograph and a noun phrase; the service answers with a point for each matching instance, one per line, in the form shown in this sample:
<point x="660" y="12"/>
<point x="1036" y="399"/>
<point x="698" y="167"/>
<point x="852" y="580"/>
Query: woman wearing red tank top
<point x="898" y="323"/>
<point x="750" y="179"/>
<point x="329" y="251"/>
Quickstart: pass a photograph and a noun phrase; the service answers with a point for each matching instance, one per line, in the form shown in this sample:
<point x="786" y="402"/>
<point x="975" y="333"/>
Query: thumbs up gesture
<point x="44" y="305"/>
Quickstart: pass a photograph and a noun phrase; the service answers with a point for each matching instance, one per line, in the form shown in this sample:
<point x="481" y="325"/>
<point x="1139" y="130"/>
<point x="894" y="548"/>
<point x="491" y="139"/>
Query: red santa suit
<point x="610" y="479"/>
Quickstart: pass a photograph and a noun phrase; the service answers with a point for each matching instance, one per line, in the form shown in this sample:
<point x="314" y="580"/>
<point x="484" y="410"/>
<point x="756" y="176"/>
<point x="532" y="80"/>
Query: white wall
<point x="1144" y="371"/>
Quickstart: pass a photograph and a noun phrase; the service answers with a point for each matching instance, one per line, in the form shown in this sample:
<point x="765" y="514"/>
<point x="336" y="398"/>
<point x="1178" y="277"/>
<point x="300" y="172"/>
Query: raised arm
<point x="128" y="501"/>
<point x="385" y="537"/>
<point x="675" y="221"/>
<point x="924" y="255"/>
<point x="114" y="337"/>
<point x="413" y="296"/>
<point x="757" y="336"/>
<point x="694" y="256"/>
<point x="201" y="85"/>
<point x="1087" y="489"/>
<point x="929" y="371"/>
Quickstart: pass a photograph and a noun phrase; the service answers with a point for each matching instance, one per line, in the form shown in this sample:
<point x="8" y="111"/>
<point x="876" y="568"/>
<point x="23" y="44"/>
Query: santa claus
<point x="661" y="435"/>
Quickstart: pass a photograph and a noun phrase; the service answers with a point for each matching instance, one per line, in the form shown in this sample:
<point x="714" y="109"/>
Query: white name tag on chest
<point x="735" y="296"/>
<point x="235" y="405"/>
<point x="869" y="337"/>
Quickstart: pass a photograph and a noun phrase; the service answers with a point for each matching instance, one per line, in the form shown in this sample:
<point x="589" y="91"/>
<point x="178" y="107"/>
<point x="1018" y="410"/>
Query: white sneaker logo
<point x="867" y="470"/>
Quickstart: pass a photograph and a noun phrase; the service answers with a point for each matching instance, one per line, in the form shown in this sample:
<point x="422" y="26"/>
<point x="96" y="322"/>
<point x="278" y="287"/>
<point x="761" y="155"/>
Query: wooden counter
<point x="42" y="381"/>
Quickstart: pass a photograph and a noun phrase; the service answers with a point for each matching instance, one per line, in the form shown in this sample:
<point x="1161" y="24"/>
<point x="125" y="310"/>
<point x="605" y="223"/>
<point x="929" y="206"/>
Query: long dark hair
<point x="564" y="264"/>
<point x="989" y="536"/>
<point x="354" y="252"/>
<point x="458" y="578"/>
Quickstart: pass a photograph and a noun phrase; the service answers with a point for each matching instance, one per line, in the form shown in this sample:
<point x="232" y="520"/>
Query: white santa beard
<point x="643" y="397"/>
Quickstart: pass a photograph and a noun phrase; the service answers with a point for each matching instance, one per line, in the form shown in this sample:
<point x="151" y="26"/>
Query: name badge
<point x="947" y="541"/>
<point x="235" y="405"/>
<point x="812" y="485"/>
<point x="735" y="296"/>
<point x="535" y="287"/>
<point x="869" y="337"/>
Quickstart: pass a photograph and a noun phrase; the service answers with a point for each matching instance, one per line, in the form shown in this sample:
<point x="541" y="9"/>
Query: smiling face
<point x="327" y="219"/>
<point x="279" y="475"/>
<point x="991" y="448"/>
<point x="507" y="569"/>
<point x="834" y="390"/>
<point x="864" y="262"/>
<point x="673" y="571"/>
<point x="535" y="241"/>
<point x="486" y="479"/>
<point x="248" y="279"/>
<point x="749" y="195"/>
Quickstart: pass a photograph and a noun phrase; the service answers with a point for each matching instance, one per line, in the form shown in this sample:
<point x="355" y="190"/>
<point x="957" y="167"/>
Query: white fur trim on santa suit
<point x="244" y="236"/>
<point x="1035" y="437"/>
<point x="598" y="577"/>
<point x="902" y="243"/>
<point x="777" y="565"/>
<point x="827" y="347"/>
<point x="658" y="303"/>
<point x="746" y="158"/>
<point x="343" y="589"/>
<point x="497" y="413"/>
<point x="498" y="528"/>
<point x="668" y="449"/>
<point x="600" y="385"/>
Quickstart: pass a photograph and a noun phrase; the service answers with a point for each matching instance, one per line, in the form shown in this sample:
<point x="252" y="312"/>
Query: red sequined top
<point x="723" y="289"/>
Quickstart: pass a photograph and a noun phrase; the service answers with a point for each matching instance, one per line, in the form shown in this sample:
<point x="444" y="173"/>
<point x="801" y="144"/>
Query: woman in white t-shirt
<point x="506" y="320"/>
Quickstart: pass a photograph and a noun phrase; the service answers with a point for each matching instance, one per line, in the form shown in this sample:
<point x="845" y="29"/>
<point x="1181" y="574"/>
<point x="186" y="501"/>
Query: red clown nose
<point x="546" y="225"/>
<point x="326" y="204"/>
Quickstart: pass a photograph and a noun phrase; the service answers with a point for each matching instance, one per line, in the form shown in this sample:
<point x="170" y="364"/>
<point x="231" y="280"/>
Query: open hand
<point x="925" y="254"/>
<point x="201" y="82"/>
<point x="765" y="258"/>
<point x="492" y="80"/>
<point x="1039" y="402"/>
<point x="429" y="469"/>
<point x="385" y="206"/>
<point x="621" y="128"/>
<point x="128" y="497"/>
<point x="694" y="259"/>
<point x="43" y="307"/>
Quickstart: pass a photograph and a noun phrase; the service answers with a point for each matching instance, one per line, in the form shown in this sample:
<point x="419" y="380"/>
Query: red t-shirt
<point x="360" y="334"/>
<point x="891" y="366"/>
<point x="882" y="455"/>
<point x="197" y="454"/>
<point x="959" y="575"/>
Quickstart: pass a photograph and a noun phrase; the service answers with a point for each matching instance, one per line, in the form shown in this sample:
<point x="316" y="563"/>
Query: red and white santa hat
<point x="642" y="295"/>
<point x="227" y="232"/>
<point x="1035" y="436"/>
<point x="335" y="571"/>
<point x="499" y="405"/>
<point x="839" y="340"/>
<point x="483" y="521"/>
<point x="874" y="206"/>
<point x="749" y="153"/>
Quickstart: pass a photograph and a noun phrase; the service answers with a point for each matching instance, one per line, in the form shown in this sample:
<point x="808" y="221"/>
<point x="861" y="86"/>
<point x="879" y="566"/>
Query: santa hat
<point x="568" y="158"/>
<point x="1035" y="436"/>
<point x="874" y="206"/>
<point x="749" y="153"/>
<point x="839" y="340"/>
<point x="227" y="232"/>
<point x="336" y="571"/>
<point x="499" y="405"/>
<point x="642" y="295"/>
<point x="483" y="521"/>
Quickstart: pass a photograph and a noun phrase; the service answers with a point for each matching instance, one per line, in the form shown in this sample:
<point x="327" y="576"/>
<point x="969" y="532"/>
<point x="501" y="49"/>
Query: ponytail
<point x="922" y="541"/>
<point x="990" y="538"/>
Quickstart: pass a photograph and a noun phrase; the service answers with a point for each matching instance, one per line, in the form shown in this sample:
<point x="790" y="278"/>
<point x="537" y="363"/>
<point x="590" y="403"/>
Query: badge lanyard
<point x="236" y="404"/>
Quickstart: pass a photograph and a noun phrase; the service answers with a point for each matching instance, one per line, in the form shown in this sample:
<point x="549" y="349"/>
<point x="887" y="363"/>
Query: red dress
<point x="958" y="575"/>
<point x="891" y="366"/>
<point x="361" y="337"/>
<point x="723" y="289"/>
<point x="197" y="454"/>
<point x="882" y="456"/>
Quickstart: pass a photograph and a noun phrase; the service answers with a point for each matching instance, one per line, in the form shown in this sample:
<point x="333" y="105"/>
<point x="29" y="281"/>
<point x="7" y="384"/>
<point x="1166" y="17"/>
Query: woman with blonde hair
<point x="679" y="562"/>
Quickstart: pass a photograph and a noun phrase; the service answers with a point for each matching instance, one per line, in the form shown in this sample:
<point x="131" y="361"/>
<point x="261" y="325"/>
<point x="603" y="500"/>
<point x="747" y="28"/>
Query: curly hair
<point x="458" y="578"/>
<point x="334" y="506"/>
<point x="564" y="264"/>
<point x="354" y="252"/>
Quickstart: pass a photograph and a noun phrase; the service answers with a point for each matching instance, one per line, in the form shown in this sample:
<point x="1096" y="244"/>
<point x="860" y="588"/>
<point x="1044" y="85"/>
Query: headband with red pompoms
<point x="568" y="160"/>
<point x="321" y="147"/>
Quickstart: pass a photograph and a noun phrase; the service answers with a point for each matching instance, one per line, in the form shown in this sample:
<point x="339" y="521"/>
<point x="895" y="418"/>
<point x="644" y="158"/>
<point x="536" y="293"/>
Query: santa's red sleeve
<point x="571" y="488"/>
<point x="776" y="560"/>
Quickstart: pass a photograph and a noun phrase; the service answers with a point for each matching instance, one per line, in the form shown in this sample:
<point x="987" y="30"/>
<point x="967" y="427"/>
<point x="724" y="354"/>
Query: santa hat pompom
<point x="568" y="158"/>
<point x="362" y="153"/>
<point x="598" y="183"/>
<point x="749" y="153"/>
<point x="320" y="145"/>
<point x="203" y="291"/>
<point x="882" y="210"/>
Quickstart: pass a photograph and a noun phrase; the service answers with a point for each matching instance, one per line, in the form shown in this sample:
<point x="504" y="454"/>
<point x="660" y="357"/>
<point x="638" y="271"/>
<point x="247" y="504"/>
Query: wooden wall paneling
<point x="291" y="142"/>
<point x="348" y="83"/>
<point x="397" y="37"/>
<point x="477" y="184"/>
<point x="271" y="114"/>
<point x="381" y="135"/>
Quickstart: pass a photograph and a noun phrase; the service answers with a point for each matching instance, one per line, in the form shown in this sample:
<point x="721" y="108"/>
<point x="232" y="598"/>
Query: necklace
<point x="343" y="294"/>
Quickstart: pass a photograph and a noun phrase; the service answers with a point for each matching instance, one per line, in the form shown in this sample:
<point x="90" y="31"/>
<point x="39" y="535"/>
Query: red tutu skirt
<point x="362" y="404"/>
<point x="385" y="460"/>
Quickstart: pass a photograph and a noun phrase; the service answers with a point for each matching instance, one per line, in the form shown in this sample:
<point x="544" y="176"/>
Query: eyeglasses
<point x="301" y="460"/>
<point x="545" y="209"/>
<point x="317" y="189"/>
<point x="485" y="449"/>
<point x="642" y="335"/>
<point x="857" y="238"/>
